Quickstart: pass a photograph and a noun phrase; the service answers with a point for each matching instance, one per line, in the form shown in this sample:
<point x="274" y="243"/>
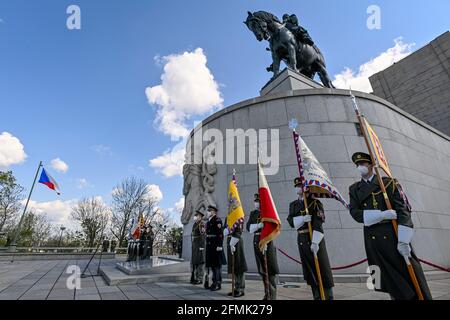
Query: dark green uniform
<point x="380" y="239"/>
<point x="215" y="259"/>
<point x="272" y="263"/>
<point x="240" y="264"/>
<point x="198" y="237"/>
<point x="315" y="208"/>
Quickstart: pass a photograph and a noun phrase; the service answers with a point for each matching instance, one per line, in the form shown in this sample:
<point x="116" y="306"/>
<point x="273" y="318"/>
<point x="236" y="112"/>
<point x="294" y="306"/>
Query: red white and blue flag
<point x="48" y="180"/>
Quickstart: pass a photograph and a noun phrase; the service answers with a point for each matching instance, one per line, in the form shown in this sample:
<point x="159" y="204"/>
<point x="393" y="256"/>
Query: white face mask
<point x="298" y="190"/>
<point x="363" y="170"/>
<point x="195" y="218"/>
<point x="257" y="205"/>
<point x="209" y="214"/>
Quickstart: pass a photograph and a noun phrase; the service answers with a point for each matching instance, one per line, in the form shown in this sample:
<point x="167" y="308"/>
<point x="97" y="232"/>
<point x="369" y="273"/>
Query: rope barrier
<point x="362" y="261"/>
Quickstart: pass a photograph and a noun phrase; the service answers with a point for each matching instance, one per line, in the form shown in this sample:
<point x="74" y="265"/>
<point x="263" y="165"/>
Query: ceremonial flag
<point x="376" y="146"/>
<point x="269" y="214"/>
<point x="48" y="180"/>
<point x="235" y="211"/>
<point x="136" y="227"/>
<point x="312" y="173"/>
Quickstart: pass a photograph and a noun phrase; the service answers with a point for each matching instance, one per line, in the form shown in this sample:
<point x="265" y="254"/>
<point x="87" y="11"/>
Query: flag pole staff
<point x="266" y="269"/>
<point x="383" y="190"/>
<point x="233" y="279"/>
<point x="13" y="244"/>
<point x="305" y="202"/>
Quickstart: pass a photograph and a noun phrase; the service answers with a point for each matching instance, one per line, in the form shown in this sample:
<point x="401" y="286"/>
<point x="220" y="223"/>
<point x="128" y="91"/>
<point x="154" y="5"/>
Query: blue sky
<point x="79" y="95"/>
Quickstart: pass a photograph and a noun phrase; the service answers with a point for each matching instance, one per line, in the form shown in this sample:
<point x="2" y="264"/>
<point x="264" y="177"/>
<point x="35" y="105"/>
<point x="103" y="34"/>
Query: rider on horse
<point x="300" y="33"/>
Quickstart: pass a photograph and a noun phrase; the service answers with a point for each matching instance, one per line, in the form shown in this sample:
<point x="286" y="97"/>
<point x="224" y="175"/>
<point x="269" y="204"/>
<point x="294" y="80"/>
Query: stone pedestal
<point x="419" y="157"/>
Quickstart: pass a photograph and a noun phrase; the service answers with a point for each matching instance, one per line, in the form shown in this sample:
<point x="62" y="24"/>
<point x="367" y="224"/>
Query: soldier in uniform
<point x="198" y="248"/>
<point x="299" y="220"/>
<point x="383" y="248"/>
<point x="235" y="251"/>
<point x="215" y="257"/>
<point x="254" y="225"/>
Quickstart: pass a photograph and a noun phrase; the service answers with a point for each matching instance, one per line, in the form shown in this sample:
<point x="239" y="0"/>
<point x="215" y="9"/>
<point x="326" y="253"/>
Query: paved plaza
<point x="46" y="280"/>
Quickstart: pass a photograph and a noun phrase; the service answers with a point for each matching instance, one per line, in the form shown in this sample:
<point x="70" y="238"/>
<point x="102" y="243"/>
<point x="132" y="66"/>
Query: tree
<point x="10" y="197"/>
<point x="36" y="229"/>
<point x="128" y="199"/>
<point x="93" y="216"/>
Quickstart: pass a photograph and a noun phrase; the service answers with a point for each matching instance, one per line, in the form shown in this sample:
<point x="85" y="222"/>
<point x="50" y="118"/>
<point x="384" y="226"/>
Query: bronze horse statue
<point x="298" y="56"/>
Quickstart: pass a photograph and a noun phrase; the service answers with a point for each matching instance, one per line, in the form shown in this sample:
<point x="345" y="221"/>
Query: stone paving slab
<point x="40" y="280"/>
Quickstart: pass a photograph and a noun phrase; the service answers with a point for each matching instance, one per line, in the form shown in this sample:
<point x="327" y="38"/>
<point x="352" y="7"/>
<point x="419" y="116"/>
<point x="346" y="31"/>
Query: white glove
<point x="264" y="249"/>
<point x="226" y="232"/>
<point x="233" y="249"/>
<point x="314" y="248"/>
<point x="404" y="249"/>
<point x="219" y="249"/>
<point x="260" y="225"/>
<point x="307" y="218"/>
<point x="299" y="221"/>
<point x="372" y="217"/>
<point x="254" y="227"/>
<point x="389" y="214"/>
<point x="201" y="249"/>
<point x="316" y="238"/>
<point x="234" y="241"/>
<point x="405" y="234"/>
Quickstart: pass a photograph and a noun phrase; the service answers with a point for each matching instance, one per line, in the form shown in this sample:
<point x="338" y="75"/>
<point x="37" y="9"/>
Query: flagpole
<point x="13" y="245"/>
<point x="383" y="190"/>
<point x="266" y="273"/>
<point x="233" y="279"/>
<point x="305" y="203"/>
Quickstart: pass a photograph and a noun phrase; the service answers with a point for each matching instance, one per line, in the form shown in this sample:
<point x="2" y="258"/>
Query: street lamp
<point x="60" y="237"/>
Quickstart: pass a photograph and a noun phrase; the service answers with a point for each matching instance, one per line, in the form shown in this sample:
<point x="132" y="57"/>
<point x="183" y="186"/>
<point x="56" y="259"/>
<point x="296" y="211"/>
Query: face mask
<point x="298" y="190"/>
<point x="195" y="218"/>
<point x="257" y="205"/>
<point x="363" y="170"/>
<point x="209" y="214"/>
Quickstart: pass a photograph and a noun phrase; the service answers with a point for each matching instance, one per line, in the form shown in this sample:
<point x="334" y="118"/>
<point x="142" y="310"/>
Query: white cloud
<point x="102" y="150"/>
<point x="155" y="192"/>
<point x="187" y="89"/>
<point x="179" y="205"/>
<point x="82" y="183"/>
<point x="170" y="163"/>
<point x="59" y="165"/>
<point x="11" y="150"/>
<point x="360" y="80"/>
<point x="57" y="211"/>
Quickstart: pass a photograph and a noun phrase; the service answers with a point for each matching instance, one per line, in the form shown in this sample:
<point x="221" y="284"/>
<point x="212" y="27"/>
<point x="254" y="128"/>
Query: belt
<point x="257" y="233"/>
<point x="211" y="235"/>
<point x="303" y="231"/>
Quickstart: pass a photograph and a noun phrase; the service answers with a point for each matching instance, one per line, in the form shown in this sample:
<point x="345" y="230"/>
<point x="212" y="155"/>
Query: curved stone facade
<point x="419" y="156"/>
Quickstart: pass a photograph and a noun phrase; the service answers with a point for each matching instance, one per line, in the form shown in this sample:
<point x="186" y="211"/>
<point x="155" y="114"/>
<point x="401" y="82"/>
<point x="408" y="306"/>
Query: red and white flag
<point x="269" y="214"/>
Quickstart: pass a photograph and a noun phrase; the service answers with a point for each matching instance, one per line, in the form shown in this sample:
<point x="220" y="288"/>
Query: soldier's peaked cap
<point x="210" y="207"/>
<point x="361" y="157"/>
<point x="297" y="182"/>
<point x="199" y="212"/>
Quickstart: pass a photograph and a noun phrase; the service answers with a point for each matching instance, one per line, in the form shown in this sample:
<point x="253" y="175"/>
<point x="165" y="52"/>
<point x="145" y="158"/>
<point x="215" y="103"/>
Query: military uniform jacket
<point x="240" y="264"/>
<point x="272" y="263"/>
<point x="315" y="208"/>
<point x="380" y="240"/>
<point x="198" y="237"/>
<point x="214" y="239"/>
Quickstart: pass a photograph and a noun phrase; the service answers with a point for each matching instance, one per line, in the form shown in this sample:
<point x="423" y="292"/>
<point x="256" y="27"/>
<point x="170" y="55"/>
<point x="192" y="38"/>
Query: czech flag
<point x="49" y="181"/>
<point x="269" y="214"/>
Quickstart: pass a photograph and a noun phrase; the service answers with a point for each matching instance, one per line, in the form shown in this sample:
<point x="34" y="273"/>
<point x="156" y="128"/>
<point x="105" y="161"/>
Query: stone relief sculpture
<point x="198" y="185"/>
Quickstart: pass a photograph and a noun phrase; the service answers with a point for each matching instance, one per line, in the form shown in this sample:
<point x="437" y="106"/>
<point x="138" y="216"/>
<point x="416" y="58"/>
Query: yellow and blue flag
<point x="235" y="211"/>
